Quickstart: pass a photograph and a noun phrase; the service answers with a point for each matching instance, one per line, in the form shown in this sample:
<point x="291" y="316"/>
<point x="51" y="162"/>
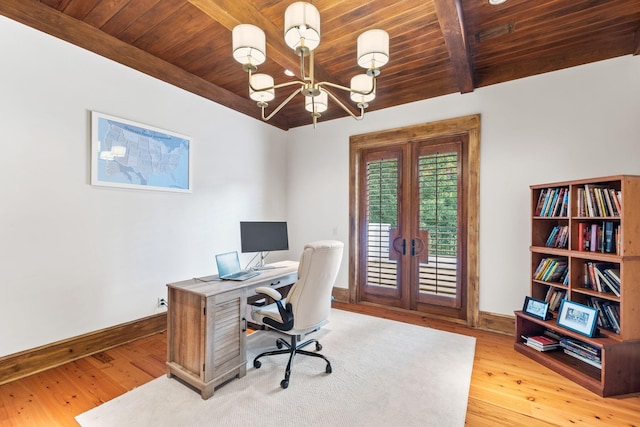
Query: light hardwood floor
<point x="507" y="389"/>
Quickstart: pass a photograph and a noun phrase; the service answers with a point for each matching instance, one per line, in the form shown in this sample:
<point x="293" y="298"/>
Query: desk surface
<point x="212" y="285"/>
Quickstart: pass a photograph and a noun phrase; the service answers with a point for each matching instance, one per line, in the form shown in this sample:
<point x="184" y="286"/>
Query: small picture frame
<point x="578" y="317"/>
<point x="536" y="308"/>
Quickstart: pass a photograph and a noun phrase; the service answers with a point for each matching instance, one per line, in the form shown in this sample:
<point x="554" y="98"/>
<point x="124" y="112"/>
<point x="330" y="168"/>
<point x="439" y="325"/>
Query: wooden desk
<point x="206" y="326"/>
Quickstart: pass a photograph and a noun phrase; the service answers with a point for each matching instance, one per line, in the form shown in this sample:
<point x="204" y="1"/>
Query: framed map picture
<point x="132" y="155"/>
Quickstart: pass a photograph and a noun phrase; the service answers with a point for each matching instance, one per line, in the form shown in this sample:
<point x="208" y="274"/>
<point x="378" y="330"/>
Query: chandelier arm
<point x="279" y="107"/>
<point x="274" y="86"/>
<point x="297" y="82"/>
<point x="344" y="107"/>
<point x="337" y="86"/>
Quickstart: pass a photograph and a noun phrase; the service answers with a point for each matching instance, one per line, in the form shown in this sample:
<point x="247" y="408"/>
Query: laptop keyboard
<point x="242" y="275"/>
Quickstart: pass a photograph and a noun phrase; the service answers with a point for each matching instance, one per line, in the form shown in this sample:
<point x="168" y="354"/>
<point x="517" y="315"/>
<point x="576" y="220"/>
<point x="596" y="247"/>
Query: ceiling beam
<point x="230" y="13"/>
<point x="48" y="20"/>
<point x="452" y="25"/>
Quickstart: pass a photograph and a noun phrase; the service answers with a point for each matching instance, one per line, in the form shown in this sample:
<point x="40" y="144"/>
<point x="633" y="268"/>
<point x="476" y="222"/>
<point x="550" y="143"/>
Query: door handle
<point x="402" y="246"/>
<point x="419" y="246"/>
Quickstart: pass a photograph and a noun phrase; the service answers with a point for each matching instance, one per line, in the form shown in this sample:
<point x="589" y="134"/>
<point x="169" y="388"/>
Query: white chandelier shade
<point x="373" y="49"/>
<point x="302" y="26"/>
<point x="320" y="102"/>
<point x="249" y="45"/>
<point x="362" y="89"/>
<point x="302" y="34"/>
<point x="257" y="90"/>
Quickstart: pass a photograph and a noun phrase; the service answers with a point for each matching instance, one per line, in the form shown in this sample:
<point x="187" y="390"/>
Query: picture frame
<point x="128" y="154"/>
<point x="536" y="308"/>
<point x="577" y="317"/>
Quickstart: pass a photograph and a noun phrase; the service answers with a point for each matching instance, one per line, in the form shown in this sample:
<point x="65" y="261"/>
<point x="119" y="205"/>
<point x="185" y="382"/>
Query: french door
<point x="412" y="224"/>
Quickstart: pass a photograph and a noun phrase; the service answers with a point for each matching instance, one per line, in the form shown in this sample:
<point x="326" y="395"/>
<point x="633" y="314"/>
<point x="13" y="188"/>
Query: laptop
<point x="229" y="267"/>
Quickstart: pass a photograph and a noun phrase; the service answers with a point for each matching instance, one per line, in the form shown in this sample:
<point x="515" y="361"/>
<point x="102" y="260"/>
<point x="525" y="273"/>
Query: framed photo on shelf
<point x="536" y="308"/>
<point x="577" y="317"/>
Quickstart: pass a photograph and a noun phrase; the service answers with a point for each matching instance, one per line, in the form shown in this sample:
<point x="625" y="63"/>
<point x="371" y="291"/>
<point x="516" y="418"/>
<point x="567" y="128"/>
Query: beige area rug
<point x="385" y="373"/>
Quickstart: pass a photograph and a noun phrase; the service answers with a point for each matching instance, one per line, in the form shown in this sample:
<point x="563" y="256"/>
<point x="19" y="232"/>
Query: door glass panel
<point x="381" y="221"/>
<point x="438" y="219"/>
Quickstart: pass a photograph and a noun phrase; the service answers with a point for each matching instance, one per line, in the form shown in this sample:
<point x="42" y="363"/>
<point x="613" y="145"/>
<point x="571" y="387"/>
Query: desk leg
<point x="207" y="391"/>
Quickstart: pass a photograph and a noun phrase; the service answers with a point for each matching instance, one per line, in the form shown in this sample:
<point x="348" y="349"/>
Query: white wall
<point x="76" y="258"/>
<point x="576" y="123"/>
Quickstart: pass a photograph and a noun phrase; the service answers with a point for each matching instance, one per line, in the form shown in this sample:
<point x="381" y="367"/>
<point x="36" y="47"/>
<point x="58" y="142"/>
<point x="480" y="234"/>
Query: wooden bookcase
<point x="620" y="350"/>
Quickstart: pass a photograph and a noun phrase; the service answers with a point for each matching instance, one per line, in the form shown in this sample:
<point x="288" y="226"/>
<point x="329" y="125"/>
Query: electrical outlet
<point x="162" y="302"/>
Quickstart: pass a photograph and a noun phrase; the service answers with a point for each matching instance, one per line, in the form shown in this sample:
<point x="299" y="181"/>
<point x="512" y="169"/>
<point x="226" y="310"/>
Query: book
<point x="541" y="342"/>
<point x="553" y="196"/>
<point x="558" y="237"/>
<point x="591" y="277"/>
<point x="551" y="269"/>
<point x="608" y="237"/>
<point x="597" y="364"/>
<point x="606" y="195"/>
<point x="599" y="200"/>
<point x="593" y="238"/>
<point x="613" y="316"/>
<point x="607" y="284"/>
<point x="618" y="202"/>
<point x="580" y="200"/>
<point x="614" y="202"/>
<point x="614" y="273"/>
<point x="584" y="236"/>
<point x="581" y="347"/>
<point x="541" y="200"/>
<point x="603" y="319"/>
<point x="612" y="282"/>
<point x="552" y="237"/>
<point x="544" y="340"/>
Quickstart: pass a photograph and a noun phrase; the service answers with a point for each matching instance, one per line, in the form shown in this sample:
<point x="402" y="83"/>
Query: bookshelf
<point x="585" y="247"/>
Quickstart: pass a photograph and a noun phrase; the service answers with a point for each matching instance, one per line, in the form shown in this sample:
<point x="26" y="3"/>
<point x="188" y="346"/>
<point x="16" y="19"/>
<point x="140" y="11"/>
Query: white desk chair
<point x="307" y="305"/>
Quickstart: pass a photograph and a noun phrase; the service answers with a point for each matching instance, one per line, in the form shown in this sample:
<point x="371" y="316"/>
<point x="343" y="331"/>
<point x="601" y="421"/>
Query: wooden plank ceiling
<point x="437" y="47"/>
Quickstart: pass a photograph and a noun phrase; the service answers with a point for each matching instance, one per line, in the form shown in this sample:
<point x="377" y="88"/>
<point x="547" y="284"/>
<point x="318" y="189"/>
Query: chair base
<point x="292" y="349"/>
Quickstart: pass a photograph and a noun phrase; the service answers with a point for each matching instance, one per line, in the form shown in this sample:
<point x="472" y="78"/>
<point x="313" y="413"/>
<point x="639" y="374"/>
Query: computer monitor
<point x="263" y="236"/>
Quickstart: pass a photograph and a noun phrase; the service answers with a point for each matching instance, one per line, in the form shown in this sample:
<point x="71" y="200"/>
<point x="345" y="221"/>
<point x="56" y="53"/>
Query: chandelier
<point x="302" y="34"/>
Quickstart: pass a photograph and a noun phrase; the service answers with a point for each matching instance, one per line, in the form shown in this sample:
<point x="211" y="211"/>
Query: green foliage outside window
<point x="438" y="192"/>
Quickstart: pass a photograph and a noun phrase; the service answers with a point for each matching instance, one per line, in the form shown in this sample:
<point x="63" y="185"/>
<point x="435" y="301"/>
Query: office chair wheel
<point x="257" y="364"/>
<point x="318" y="346"/>
<point x="284" y="383"/>
<point x="328" y="369"/>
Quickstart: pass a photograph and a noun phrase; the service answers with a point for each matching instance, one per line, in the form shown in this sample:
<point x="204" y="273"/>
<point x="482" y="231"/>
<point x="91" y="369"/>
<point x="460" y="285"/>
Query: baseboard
<point x="29" y="362"/>
<point x="492" y="322"/>
<point x="341" y="294"/>
<point x="500" y="323"/>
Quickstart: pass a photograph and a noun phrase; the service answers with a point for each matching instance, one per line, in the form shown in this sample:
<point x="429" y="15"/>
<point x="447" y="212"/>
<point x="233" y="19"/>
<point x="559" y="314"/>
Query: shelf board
<point x="601" y="295"/>
<point x="606" y="338"/>
<point x="551" y="217"/>
<point x="596" y="218"/>
<point x="576" y="370"/>
<point x="550" y="251"/>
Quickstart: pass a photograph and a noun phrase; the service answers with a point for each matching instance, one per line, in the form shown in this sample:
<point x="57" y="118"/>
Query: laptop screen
<point x="227" y="263"/>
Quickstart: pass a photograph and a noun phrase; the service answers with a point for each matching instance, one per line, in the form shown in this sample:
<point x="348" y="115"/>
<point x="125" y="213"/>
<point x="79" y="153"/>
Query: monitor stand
<point x="261" y="265"/>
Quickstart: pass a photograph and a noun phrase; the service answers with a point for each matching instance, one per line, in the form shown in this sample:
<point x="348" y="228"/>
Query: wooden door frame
<point x="469" y="125"/>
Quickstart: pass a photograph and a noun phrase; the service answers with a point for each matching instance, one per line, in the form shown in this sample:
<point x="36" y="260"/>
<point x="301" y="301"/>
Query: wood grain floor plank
<point x="507" y="389"/>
